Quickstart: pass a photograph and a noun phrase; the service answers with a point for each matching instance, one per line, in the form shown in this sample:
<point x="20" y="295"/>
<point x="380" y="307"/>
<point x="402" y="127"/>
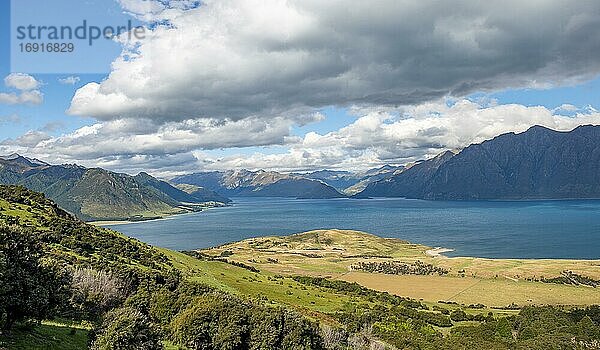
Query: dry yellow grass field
<point x="493" y="282"/>
<point x="469" y="290"/>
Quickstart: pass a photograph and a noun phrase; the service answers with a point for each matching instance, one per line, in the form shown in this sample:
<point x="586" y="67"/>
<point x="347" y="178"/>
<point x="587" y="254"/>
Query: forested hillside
<point x="130" y="295"/>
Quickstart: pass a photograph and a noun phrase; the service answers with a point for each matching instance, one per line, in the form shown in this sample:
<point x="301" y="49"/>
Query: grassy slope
<point x="39" y="213"/>
<point x="27" y="215"/>
<point x="48" y="335"/>
<point x="494" y="282"/>
<point x="237" y="280"/>
<point x="33" y="216"/>
<point x="311" y="301"/>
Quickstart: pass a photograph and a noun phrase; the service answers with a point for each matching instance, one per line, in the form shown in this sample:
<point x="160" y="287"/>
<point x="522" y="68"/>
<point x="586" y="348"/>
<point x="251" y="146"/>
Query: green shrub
<point x="459" y="315"/>
<point x="223" y="322"/>
<point x="127" y="329"/>
<point x="28" y="288"/>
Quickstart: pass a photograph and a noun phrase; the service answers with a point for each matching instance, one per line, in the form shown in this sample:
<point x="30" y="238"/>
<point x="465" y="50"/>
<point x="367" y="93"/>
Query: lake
<point x="516" y="229"/>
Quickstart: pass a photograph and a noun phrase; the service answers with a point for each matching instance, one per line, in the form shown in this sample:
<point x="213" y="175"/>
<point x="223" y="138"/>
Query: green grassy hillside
<point x="70" y="241"/>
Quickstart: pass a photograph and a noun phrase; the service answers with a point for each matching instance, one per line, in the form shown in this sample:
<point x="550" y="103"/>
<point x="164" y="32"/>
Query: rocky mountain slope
<point x="94" y="194"/>
<point x="245" y="183"/>
<point x="408" y="182"/>
<point x="537" y="164"/>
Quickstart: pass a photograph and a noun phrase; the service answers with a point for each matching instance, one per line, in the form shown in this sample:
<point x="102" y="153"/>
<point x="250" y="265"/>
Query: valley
<point x="299" y="175"/>
<point x="496" y="169"/>
<point x="69" y="284"/>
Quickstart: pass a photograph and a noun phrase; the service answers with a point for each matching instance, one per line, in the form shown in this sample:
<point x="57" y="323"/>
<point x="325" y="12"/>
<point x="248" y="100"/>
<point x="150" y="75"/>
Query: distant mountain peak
<point x="539" y="128"/>
<point x="24" y="163"/>
<point x="37" y="161"/>
<point x="542" y="130"/>
<point x="12" y="156"/>
<point x="144" y="175"/>
<point x="586" y="128"/>
<point x="260" y="183"/>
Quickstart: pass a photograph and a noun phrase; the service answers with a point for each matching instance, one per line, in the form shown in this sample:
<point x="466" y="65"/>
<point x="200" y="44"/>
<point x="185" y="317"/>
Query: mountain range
<point x="246" y="183"/>
<point x="539" y="163"/>
<point x="98" y="194"/>
<point x="351" y="183"/>
<point x="317" y="184"/>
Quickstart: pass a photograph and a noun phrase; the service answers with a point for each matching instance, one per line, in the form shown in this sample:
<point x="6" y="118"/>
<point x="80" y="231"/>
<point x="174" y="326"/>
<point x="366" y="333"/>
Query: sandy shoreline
<point x="438" y="251"/>
<point x="111" y="223"/>
<point x="127" y="222"/>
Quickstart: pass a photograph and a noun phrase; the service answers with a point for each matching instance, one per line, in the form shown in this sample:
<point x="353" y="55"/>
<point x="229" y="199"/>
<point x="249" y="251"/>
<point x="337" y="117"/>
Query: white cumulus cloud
<point x="391" y="136"/>
<point x="27" y="87"/>
<point x="21" y="81"/>
<point x="410" y="134"/>
<point x="235" y="59"/>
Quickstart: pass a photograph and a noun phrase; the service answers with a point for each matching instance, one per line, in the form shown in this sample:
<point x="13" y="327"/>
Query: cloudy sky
<point x="307" y="84"/>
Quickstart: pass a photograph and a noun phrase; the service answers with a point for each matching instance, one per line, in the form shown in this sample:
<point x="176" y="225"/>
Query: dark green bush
<point x="223" y="322"/>
<point x="127" y="329"/>
<point x="28" y="287"/>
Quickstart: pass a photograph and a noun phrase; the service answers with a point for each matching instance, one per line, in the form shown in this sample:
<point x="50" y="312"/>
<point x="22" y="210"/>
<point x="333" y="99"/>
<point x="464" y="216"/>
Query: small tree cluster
<point x="127" y="329"/>
<point x="399" y="268"/>
<point x="29" y="289"/>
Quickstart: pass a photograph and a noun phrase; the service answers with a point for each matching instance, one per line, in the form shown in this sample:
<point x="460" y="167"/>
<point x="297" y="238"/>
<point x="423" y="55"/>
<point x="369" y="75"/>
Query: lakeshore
<point x="438" y="251"/>
<point x="165" y="216"/>
<point x="417" y="271"/>
<point x="532" y="230"/>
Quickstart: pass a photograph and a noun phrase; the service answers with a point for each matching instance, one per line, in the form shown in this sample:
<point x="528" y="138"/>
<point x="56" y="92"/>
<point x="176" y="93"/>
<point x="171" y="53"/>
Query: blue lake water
<point x="524" y="229"/>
